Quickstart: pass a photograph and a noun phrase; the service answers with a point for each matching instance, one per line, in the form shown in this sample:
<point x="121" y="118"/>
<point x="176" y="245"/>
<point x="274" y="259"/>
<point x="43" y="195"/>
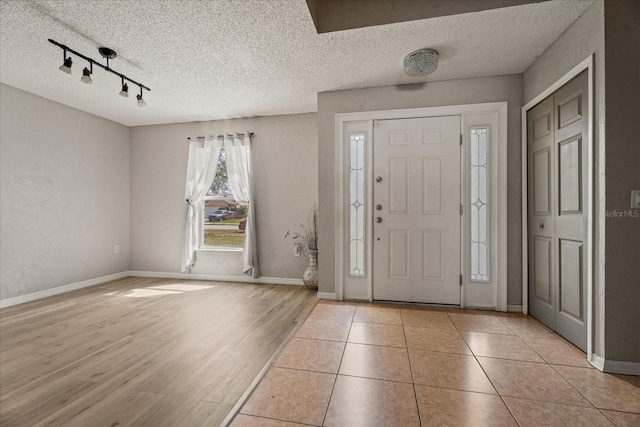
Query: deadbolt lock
<point x="378" y="179"/>
<point x="379" y="207"/>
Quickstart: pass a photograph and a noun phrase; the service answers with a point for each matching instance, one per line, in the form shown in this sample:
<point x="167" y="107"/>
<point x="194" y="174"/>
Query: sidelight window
<point x="357" y="204"/>
<point x="479" y="204"/>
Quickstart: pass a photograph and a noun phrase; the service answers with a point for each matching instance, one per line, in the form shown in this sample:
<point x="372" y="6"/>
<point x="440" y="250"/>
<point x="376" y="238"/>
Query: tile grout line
<point x="335" y="380"/>
<point x="485" y="373"/>
<point x="413" y="382"/>
<point x="554" y="369"/>
<point x="574" y="387"/>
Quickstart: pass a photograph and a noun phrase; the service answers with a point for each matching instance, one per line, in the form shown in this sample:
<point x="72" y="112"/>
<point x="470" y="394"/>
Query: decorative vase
<point x="310" y="275"/>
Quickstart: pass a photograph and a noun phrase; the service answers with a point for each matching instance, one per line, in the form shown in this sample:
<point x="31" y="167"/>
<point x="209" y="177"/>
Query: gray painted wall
<point x="622" y="296"/>
<point x="285" y="168"/>
<point x="583" y="38"/>
<point x="64" y="192"/>
<point x="453" y="92"/>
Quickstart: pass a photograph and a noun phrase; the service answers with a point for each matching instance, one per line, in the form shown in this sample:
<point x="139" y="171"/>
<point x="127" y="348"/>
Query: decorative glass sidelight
<point x="480" y="255"/>
<point x="357" y="204"/>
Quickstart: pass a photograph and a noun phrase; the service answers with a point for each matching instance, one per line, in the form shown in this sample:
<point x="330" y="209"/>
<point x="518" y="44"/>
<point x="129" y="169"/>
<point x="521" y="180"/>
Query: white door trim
<point x="586" y="64"/>
<point x="499" y="109"/>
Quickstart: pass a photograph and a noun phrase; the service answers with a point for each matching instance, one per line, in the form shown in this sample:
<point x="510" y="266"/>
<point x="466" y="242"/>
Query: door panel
<point x="432" y="184"/>
<point x="541" y="177"/>
<point x="570" y="220"/>
<point x="542" y="276"/>
<point x="557" y="128"/>
<point x="399" y="186"/>
<point x="570" y="285"/>
<point x="433" y="253"/>
<point x="416" y="254"/>
<point x="570" y="180"/>
<point x="399" y="254"/>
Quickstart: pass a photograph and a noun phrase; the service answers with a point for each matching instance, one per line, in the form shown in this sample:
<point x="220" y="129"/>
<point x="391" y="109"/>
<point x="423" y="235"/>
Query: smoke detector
<point x="421" y="62"/>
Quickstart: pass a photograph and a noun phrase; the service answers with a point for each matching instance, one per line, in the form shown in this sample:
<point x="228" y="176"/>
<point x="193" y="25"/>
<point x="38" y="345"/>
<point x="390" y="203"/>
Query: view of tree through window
<point x="220" y="186"/>
<point x="224" y="218"/>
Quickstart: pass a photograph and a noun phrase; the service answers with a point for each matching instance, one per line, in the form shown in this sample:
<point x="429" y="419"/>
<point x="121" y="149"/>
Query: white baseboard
<point x="8" y="302"/>
<point x="515" y="308"/>
<point x="217" y="278"/>
<point x="327" y="295"/>
<point x="597" y="362"/>
<point x="621" y="367"/>
<point x="615" y="366"/>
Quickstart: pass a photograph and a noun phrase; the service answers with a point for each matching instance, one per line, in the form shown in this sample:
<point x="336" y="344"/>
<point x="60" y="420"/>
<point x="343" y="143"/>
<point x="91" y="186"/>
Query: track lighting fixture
<point x="66" y="66"/>
<point x="106" y="53"/>
<point x="125" y="90"/>
<point x="86" y="76"/>
<point x="141" y="102"/>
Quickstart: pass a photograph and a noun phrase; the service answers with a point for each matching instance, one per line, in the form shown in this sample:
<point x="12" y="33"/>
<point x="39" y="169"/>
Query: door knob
<point x="541" y="225"/>
<point x="379" y="207"/>
<point x="378" y="220"/>
<point x="378" y="179"/>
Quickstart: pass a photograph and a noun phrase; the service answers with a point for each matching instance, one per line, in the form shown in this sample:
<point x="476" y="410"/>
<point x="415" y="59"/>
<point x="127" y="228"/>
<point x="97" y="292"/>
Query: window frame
<point x="202" y="206"/>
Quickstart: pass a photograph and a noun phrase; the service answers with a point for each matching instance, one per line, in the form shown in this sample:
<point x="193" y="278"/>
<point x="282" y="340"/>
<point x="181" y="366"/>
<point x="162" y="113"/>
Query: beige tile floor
<point x="357" y="364"/>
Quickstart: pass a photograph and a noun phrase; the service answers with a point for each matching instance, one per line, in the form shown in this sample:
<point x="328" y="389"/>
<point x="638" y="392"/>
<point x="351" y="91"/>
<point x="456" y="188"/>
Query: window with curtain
<point x="224" y="219"/>
<point x="233" y="187"/>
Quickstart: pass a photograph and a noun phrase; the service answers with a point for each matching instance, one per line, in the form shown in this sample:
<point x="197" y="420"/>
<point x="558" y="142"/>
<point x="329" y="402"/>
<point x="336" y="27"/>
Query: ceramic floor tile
<point x="605" y="391"/>
<point x="534" y="413"/>
<point x="499" y="346"/>
<point x="426" y="319"/>
<point x="479" y="323"/>
<point x="325" y="329"/>
<point x="372" y="361"/>
<point x="448" y="370"/>
<point x="528" y="380"/>
<point x="333" y="311"/>
<point x="389" y="316"/>
<point x="311" y="355"/>
<point x="622" y="419"/>
<point x="291" y="395"/>
<point x="557" y="351"/>
<point x="250" y="421"/>
<point x="366" y="402"/>
<point x="444" y="407"/>
<point x="430" y="339"/>
<point x="527" y="327"/>
<point x="377" y="334"/>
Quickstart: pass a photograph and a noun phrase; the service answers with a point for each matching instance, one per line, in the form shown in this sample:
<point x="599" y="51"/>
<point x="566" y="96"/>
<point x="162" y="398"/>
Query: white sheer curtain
<point x="240" y="174"/>
<point x="201" y="170"/>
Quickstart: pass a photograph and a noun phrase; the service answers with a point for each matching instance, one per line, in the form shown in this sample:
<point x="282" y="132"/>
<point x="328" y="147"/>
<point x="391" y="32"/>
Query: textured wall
<point x="452" y="92"/>
<point x="622" y="296"/>
<point x="583" y="38"/>
<point x="64" y="194"/>
<point x="285" y="167"/>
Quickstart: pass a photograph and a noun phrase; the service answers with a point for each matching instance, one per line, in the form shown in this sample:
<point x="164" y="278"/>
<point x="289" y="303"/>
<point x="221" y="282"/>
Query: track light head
<point x="125" y="90"/>
<point x="86" y="76"/>
<point x="66" y="67"/>
<point x="141" y="102"/>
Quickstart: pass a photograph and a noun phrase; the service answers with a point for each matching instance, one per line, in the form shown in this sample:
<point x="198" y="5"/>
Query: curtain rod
<point x="222" y="136"/>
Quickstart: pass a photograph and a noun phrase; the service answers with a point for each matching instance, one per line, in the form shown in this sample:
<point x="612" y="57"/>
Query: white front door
<point x="416" y="200"/>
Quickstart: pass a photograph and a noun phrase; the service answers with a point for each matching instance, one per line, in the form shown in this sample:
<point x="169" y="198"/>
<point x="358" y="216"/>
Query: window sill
<point x="219" y="249"/>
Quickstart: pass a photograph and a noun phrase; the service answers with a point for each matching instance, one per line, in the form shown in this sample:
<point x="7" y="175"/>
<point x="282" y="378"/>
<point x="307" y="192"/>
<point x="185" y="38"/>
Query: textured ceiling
<point x="207" y="60"/>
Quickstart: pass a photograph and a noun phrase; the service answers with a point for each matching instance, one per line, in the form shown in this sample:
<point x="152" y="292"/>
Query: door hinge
<point x="461" y="280"/>
<point x="461" y="209"/>
<point x="460" y="139"/>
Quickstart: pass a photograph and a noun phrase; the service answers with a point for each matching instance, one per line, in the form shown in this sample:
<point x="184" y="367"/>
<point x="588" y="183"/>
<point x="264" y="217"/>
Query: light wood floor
<point x="140" y="351"/>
